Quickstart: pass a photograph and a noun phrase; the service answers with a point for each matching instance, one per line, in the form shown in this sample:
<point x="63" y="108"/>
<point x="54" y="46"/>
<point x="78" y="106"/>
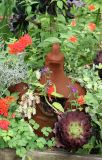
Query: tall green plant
<point x="5" y="11"/>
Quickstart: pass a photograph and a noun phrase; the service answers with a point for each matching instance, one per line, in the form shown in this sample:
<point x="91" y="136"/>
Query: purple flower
<point x="77" y="3"/>
<point x="74" y="89"/>
<point x="44" y="70"/>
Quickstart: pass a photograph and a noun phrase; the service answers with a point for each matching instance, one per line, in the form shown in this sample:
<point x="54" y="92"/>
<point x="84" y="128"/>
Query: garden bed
<point x="50" y="79"/>
<point x="8" y="154"/>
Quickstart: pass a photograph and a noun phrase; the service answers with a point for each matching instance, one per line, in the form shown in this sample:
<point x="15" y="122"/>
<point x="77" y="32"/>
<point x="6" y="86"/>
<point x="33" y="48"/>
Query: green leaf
<point x="52" y="40"/>
<point x="10" y="133"/>
<point x="36" y="126"/>
<point x="46" y="131"/>
<point x="7" y="138"/>
<point x="61" y="18"/>
<point x="60" y="4"/>
<point x="50" y="143"/>
<point x="90" y="99"/>
<point x="56" y="94"/>
<point x="38" y="85"/>
<point x="28" y="158"/>
<point x="7" y="93"/>
<point x="21" y="151"/>
<point x="29" y="9"/>
<point x="3" y="144"/>
<point x="58" y="106"/>
<point x="32" y="122"/>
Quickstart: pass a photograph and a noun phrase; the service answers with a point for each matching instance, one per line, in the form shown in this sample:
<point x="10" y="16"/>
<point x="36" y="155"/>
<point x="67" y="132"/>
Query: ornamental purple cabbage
<point x="73" y="129"/>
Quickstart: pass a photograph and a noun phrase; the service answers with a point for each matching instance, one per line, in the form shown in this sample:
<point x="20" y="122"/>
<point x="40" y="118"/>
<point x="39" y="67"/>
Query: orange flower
<point x="73" y="23"/>
<point x="72" y="39"/>
<point x="10" y="99"/>
<point x="92" y="26"/>
<point x="13" y="115"/>
<point x="91" y="7"/>
<point x="81" y="100"/>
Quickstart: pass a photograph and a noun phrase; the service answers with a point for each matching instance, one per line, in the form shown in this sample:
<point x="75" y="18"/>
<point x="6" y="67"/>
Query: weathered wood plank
<point x="60" y="155"/>
<point x="8" y="154"/>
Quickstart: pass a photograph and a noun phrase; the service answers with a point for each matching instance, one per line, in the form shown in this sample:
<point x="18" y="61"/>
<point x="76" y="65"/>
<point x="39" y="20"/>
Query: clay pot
<point x="55" y="62"/>
<point x="45" y="115"/>
<point x="21" y="88"/>
<point x="42" y="117"/>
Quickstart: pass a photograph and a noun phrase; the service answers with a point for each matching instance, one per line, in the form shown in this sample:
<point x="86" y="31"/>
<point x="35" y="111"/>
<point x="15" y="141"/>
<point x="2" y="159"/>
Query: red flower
<point x="73" y="23"/>
<point x="4" y="124"/>
<point x="4" y="106"/>
<point x="81" y="100"/>
<point x="16" y="47"/>
<point x="92" y="26"/>
<point x="50" y="90"/>
<point x="72" y="39"/>
<point x="91" y="7"/>
<point x="26" y="40"/>
<point x="20" y="45"/>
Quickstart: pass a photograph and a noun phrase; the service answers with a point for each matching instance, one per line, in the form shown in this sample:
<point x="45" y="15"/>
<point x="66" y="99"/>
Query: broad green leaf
<point x="38" y="85"/>
<point x="58" y="106"/>
<point x="60" y="4"/>
<point x="56" y="94"/>
<point x="52" y="40"/>
<point x="29" y="9"/>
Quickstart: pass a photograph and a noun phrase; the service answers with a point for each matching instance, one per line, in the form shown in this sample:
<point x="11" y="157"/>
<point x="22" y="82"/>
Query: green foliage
<point x="86" y="149"/>
<point x="21" y="134"/>
<point x="46" y="131"/>
<point x="35" y="126"/>
<point x="21" y="137"/>
<point x="89" y="79"/>
<point x="42" y="90"/>
<point x="58" y="106"/>
<point x="5" y="11"/>
<point x="13" y="69"/>
<point x="60" y="4"/>
<point x="55" y="29"/>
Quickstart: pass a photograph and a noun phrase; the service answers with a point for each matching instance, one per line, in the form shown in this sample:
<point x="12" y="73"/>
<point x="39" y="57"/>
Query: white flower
<point x="25" y="105"/>
<point x="34" y="111"/>
<point x="38" y="74"/>
<point x="29" y="102"/>
<point x="37" y="99"/>
<point x="31" y="97"/>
